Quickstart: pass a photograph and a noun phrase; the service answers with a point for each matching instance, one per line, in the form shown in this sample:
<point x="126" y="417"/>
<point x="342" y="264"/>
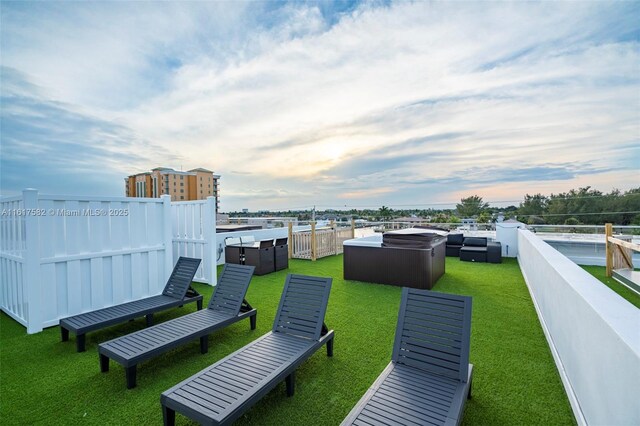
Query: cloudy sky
<point x="332" y="104"/>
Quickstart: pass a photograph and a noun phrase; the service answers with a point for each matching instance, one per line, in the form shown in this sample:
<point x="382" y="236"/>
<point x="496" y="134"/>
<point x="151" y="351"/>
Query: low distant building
<point x="264" y="222"/>
<point x="411" y="219"/>
<point x="469" y="224"/>
<point x="195" y="184"/>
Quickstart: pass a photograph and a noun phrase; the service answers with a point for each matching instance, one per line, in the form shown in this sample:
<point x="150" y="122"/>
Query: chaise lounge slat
<point x="177" y="292"/>
<point x="227" y="306"/>
<point x="429" y="378"/>
<point x="219" y="394"/>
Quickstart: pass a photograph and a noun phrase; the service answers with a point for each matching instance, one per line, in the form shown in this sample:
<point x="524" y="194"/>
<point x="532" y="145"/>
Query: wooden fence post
<point x="608" y="232"/>
<point x="31" y="276"/>
<point x="290" y="240"/>
<point x="353" y="228"/>
<point x="313" y="241"/>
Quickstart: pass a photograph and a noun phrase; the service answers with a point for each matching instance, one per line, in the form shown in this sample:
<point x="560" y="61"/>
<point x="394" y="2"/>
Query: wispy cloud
<point x="323" y="102"/>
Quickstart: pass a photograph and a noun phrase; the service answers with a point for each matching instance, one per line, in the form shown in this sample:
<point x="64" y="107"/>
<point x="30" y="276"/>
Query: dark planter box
<point x="262" y="258"/>
<point x="281" y="254"/>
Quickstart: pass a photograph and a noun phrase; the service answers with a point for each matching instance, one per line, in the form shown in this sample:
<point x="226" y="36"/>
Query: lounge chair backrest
<point x="302" y="306"/>
<point x="181" y="277"/>
<point x="433" y="333"/>
<point x="231" y="289"/>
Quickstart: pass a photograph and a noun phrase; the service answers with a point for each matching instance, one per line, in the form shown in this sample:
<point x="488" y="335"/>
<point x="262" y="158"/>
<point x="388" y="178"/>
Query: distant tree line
<point x="578" y="206"/>
<point x="582" y="206"/>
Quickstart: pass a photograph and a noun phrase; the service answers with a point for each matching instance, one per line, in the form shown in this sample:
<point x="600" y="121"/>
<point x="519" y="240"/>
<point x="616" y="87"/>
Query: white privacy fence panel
<point x="193" y="235"/>
<point x="64" y="255"/>
<point x="13" y="295"/>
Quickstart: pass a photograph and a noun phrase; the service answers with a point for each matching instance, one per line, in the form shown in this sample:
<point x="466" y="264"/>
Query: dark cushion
<point x="473" y="248"/>
<point x="455" y="239"/>
<point x="475" y="242"/>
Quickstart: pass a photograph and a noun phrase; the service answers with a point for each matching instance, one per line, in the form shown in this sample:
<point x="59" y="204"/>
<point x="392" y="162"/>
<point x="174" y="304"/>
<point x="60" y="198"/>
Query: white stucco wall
<point x="593" y="333"/>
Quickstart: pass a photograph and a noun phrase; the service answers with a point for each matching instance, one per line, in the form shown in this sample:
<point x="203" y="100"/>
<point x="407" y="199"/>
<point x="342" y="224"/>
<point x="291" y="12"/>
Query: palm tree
<point x="384" y="212"/>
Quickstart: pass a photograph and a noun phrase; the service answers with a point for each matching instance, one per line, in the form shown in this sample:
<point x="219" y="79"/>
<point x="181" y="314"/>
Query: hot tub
<point x="407" y="258"/>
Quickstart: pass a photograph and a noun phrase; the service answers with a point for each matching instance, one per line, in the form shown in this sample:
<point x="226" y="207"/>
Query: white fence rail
<point x="193" y="234"/>
<point x="64" y="255"/>
<point x="592" y="332"/>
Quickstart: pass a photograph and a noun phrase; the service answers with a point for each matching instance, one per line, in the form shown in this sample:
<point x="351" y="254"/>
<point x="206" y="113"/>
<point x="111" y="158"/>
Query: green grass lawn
<point x="43" y="380"/>
<point x="600" y="272"/>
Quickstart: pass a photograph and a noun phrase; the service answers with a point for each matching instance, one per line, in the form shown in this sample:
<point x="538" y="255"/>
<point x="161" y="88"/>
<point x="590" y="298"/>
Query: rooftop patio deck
<point x="515" y="378"/>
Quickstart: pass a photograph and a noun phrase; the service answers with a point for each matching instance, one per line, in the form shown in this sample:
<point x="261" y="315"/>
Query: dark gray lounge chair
<point x="227" y="306"/>
<point x="177" y="292"/>
<point x="219" y="394"/>
<point x="429" y="377"/>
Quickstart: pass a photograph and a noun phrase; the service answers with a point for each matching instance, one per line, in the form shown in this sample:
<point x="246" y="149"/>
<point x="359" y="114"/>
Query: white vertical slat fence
<point x="193" y="233"/>
<point x="64" y="255"/>
<point x="12" y="256"/>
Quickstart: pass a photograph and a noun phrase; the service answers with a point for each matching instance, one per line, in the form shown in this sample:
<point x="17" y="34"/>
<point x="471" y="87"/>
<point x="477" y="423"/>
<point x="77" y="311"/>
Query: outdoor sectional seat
<point x="176" y="292"/>
<point x="219" y="394"/>
<point x="429" y="377"/>
<point x="227" y="306"/>
<point x="454" y="244"/>
<point x="479" y="249"/>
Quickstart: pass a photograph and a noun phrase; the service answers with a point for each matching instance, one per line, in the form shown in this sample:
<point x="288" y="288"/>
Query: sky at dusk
<point x="317" y="103"/>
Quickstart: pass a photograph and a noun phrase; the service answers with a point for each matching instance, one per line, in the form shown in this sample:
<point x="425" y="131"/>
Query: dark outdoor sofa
<point x="408" y="258"/>
<point x="478" y="249"/>
<point x="454" y="244"/>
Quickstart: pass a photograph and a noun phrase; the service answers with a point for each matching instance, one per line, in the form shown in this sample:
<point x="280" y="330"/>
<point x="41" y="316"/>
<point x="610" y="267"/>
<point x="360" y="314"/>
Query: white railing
<point x="193" y="234"/>
<point x="64" y="255"/>
<point x="592" y="333"/>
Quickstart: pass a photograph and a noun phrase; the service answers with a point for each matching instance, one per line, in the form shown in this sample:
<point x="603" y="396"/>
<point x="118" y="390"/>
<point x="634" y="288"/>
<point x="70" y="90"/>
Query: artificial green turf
<point x="43" y="380"/>
<point x="600" y="272"/>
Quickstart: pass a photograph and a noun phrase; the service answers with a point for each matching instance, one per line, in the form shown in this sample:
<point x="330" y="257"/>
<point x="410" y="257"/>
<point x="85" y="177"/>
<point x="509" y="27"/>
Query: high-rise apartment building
<point x="196" y="184"/>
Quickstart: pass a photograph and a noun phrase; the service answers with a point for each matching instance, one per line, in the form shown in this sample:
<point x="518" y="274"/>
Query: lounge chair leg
<point x="131" y="376"/>
<point x="252" y="320"/>
<point x="149" y="320"/>
<point x="204" y="344"/>
<point x="65" y="334"/>
<point x="80" y="342"/>
<point x="330" y="347"/>
<point x="199" y="304"/>
<point x="168" y="416"/>
<point x="470" y="386"/>
<point x="104" y="363"/>
<point x="291" y="383"/>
